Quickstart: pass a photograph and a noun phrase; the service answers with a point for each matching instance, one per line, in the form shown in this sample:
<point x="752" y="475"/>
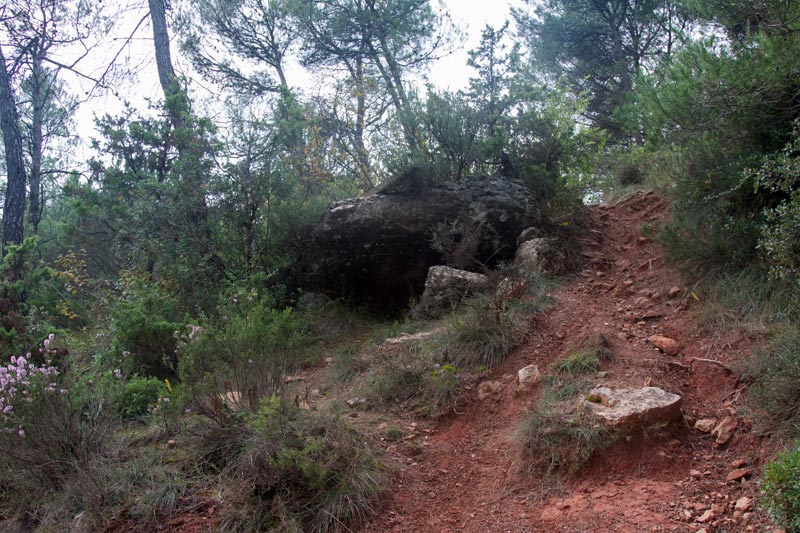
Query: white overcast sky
<point x="471" y="15"/>
<point x="449" y="73"/>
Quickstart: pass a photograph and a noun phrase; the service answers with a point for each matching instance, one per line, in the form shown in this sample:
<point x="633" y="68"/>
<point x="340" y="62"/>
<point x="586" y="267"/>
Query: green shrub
<point x="629" y="175"/>
<point x="33" y="300"/>
<point x="138" y="395"/>
<point x="442" y="389"/>
<point x="709" y="241"/>
<point x="144" y="326"/>
<point x="299" y="470"/>
<point x="780" y="485"/>
<point x="779" y="175"/>
<point x="243" y="360"/>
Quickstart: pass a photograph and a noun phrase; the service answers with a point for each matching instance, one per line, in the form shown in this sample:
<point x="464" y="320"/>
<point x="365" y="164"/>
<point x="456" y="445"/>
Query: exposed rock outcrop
<point x="541" y="255"/>
<point x="377" y="250"/>
<point x="447" y="287"/>
<point x="633" y="408"/>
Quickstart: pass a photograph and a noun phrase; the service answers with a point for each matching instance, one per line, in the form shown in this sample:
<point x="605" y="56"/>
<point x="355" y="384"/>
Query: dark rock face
<point x="377" y="250"/>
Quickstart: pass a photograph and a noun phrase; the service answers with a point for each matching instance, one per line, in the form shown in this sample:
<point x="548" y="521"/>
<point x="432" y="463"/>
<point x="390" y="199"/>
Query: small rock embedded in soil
<point x="739" y="473"/>
<point x="725" y="430"/>
<point x="706" y="425"/>
<point x="743" y="504"/>
<point x="488" y="388"/>
<point x="665" y="344"/>
<point x="527" y="377"/>
<point x="355" y="402"/>
<point x="707" y="516"/>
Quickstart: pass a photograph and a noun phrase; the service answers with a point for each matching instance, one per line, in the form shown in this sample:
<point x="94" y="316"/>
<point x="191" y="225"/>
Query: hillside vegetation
<point x="160" y="366"/>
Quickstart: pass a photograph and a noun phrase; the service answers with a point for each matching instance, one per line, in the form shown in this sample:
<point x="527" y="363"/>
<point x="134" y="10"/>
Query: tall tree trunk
<point x="175" y="98"/>
<point x="362" y="156"/>
<point x="38" y="97"/>
<point x="189" y="146"/>
<point x="14" y="207"/>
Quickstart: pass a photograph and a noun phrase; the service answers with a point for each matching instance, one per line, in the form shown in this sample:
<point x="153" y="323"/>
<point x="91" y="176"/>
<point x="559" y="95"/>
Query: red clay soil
<point x="464" y="475"/>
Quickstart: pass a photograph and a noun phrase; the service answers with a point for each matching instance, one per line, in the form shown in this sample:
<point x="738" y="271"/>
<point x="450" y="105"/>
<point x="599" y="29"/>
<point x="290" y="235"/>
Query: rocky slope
<point x="463" y="476"/>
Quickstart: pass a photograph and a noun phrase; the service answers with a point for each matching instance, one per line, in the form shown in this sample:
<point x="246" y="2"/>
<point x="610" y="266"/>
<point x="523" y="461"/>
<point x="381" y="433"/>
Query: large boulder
<point x="376" y="250"/>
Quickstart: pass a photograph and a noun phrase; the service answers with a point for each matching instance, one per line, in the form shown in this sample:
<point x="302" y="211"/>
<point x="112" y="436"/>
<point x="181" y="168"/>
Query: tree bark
<point x="38" y="99"/>
<point x="175" y="98"/>
<point x="14" y="207"/>
<point x="190" y="147"/>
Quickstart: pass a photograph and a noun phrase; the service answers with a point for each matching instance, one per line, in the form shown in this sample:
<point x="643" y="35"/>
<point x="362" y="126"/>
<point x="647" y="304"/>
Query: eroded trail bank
<point x="465" y="475"/>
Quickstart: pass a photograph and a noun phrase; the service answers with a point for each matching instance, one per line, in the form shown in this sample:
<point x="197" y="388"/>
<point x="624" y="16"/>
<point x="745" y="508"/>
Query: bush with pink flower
<point x="49" y="425"/>
<point x="23" y="384"/>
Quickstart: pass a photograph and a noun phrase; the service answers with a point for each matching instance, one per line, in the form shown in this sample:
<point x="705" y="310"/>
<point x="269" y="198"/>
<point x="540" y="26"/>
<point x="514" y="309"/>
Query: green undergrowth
<point x="587" y="359"/>
<point x="129" y="444"/>
<point x="290" y="469"/>
<point x="773" y="374"/>
<point x="559" y="437"/>
<point x="431" y="372"/>
<point x="780" y="486"/>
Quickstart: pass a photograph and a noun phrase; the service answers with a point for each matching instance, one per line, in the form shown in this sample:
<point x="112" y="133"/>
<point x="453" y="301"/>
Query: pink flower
<point x="21" y="433"/>
<point x="196" y="330"/>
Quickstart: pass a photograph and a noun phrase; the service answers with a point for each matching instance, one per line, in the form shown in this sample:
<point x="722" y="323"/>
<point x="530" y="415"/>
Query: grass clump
<point x="557" y="438"/>
<point x="397" y="380"/>
<point x="774" y="377"/>
<point x="560" y="388"/>
<point x="586" y="360"/>
<point x="559" y="443"/>
<point x="578" y="363"/>
<point x="442" y="388"/>
<point x="298" y="470"/>
<point x="482" y="334"/>
<point x="746" y="299"/>
<point x="348" y="363"/>
<point x="780" y="486"/>
<point x="415" y="375"/>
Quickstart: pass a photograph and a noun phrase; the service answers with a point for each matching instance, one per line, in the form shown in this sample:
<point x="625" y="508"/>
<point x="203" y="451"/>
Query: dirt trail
<point x="465" y="478"/>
